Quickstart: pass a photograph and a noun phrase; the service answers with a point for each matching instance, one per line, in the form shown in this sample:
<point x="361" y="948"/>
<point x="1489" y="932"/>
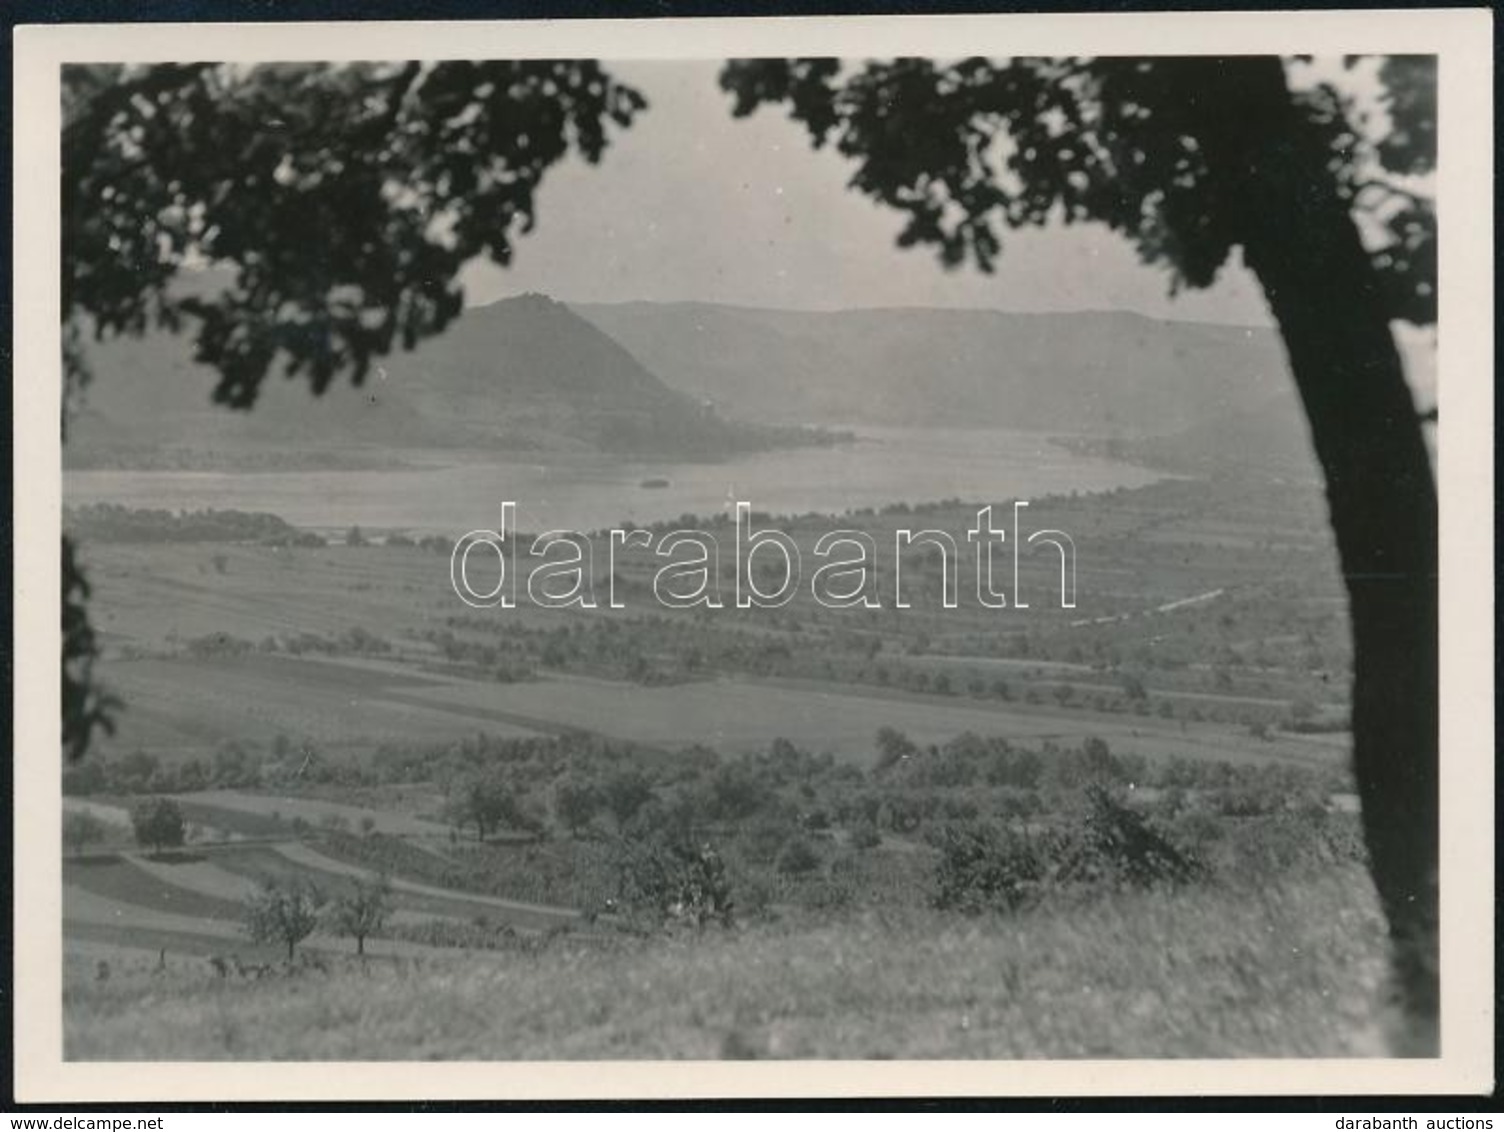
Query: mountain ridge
<point x="1103" y="372"/>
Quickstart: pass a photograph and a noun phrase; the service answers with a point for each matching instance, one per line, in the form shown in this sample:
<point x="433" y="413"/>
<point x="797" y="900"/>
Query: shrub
<point x="987" y="866"/>
<point x="221" y="644"/>
<point x="678" y="882"/>
<point x="1117" y="845"/>
<point x="798" y="857"/>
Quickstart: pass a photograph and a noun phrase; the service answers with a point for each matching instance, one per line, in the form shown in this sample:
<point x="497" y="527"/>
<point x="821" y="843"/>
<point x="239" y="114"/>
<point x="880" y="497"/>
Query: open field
<point x="179" y="708"/>
<point x="1290" y="971"/>
<point x="1207" y="613"/>
<point x="189" y="706"/>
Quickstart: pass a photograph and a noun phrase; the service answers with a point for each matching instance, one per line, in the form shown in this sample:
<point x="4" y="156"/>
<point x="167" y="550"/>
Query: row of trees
<point x="287" y="913"/>
<point x="585" y="786"/>
<point x="113" y="522"/>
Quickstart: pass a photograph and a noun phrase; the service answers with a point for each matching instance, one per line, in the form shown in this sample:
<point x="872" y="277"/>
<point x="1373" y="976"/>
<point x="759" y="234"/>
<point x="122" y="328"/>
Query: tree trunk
<point x="360" y="945"/>
<point x="289" y="950"/>
<point x="1300" y="240"/>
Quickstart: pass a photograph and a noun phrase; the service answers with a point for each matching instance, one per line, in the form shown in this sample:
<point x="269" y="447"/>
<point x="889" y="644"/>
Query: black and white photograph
<point x="903" y="541"/>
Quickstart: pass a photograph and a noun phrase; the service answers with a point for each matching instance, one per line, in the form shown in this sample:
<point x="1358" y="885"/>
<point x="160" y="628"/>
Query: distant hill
<point x="1268" y="437"/>
<point x="522" y="375"/>
<point x="1108" y="373"/>
<point x="1271" y="438"/>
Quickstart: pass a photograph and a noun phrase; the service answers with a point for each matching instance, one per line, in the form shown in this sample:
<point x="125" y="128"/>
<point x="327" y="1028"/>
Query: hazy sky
<point x="692" y="204"/>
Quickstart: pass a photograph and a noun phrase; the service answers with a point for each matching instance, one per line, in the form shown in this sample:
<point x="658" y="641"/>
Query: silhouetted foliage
<point x="87" y="707"/>
<point x="968" y="149"/>
<point x="398" y="173"/>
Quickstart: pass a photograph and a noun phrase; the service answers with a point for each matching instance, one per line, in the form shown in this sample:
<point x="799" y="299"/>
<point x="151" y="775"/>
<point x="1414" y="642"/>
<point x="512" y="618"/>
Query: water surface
<point x="447" y="492"/>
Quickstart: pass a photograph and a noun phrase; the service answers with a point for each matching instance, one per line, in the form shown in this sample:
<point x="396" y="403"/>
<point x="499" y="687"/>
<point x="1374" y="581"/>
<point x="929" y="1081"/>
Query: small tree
<point x="624" y="793"/>
<point x="893" y="746"/>
<point x="158" y="824"/>
<point x="362" y="910"/>
<point x="576" y="804"/>
<point x="285" y="914"/>
<point x="485" y="801"/>
<point x="81" y="828"/>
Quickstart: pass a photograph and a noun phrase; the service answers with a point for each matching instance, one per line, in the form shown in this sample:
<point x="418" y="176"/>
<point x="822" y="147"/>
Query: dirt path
<point x="311" y="858"/>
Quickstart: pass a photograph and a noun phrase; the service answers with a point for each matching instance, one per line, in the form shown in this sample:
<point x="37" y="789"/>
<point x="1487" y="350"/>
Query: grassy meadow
<point x="1290" y="970"/>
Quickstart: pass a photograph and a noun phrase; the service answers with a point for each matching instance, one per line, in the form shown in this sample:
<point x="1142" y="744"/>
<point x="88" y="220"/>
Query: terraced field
<point x="192" y="902"/>
<point x="265" y="814"/>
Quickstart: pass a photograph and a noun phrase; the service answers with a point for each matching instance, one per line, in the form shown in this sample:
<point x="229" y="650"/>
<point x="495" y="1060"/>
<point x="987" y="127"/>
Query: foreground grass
<point x="1287" y="970"/>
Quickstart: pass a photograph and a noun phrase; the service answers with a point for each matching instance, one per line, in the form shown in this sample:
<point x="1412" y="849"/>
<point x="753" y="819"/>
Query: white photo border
<point x="1461" y="38"/>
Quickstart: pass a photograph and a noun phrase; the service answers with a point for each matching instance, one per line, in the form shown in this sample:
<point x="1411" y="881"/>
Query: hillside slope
<point x="1292" y="969"/>
<point x="1099" y="372"/>
<point x="525" y="374"/>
